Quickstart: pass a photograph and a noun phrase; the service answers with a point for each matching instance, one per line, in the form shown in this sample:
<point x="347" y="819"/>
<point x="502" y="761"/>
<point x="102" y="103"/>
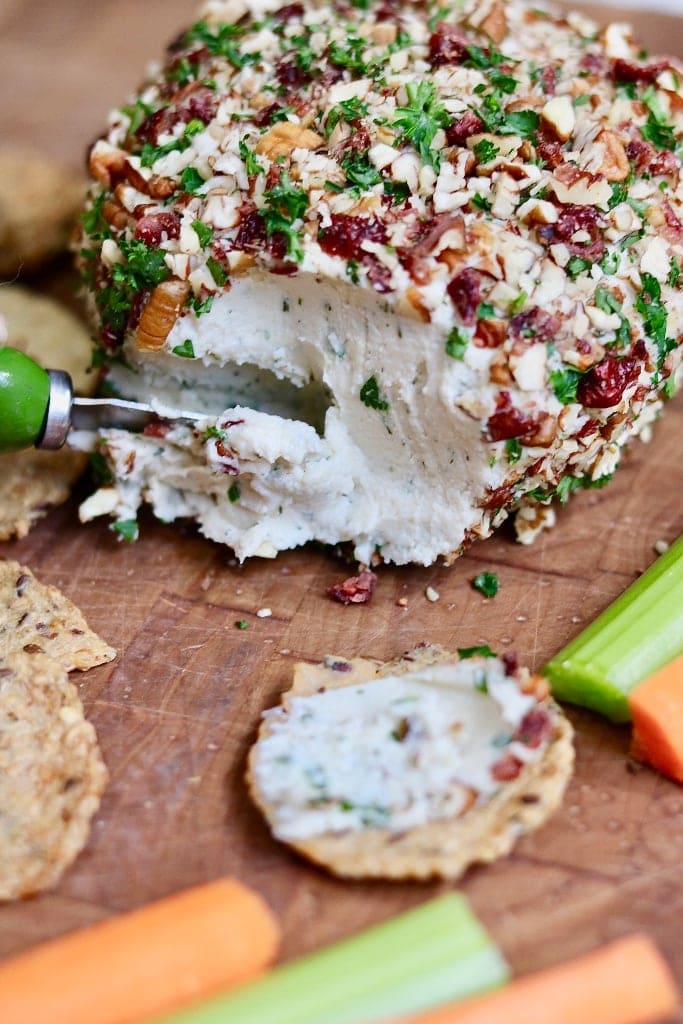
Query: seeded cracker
<point x="38" y="619"/>
<point x="51" y="774"/>
<point x="33" y="482"/>
<point x="481" y="833"/>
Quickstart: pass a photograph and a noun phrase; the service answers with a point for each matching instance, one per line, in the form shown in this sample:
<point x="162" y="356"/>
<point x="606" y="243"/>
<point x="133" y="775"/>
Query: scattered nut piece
<point x="286" y="136"/>
<point x="432" y="595"/>
<point x="661" y="546"/>
<point x="160" y="314"/>
<point x="558" y="114"/>
<point x="615" y="165"/>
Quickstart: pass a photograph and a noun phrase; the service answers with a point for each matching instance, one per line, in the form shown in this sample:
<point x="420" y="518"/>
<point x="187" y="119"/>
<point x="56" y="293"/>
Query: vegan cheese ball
<point x="420" y="265"/>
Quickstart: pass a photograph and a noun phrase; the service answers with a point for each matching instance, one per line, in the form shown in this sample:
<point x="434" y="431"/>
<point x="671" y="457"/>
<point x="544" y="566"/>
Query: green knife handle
<point x="24" y="400"/>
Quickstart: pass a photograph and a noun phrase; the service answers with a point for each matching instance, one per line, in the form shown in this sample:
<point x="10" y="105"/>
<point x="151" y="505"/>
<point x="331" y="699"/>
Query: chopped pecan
<point x="495" y="24"/>
<point x="490" y="333"/>
<point x="285" y="136"/>
<point x="160" y="314"/>
<point x="615" y="165"/>
<point x="428" y="234"/>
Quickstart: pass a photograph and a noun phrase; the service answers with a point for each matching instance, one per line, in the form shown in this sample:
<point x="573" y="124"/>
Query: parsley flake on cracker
<point x="411" y="769"/>
<point x="36" y="618"/>
<point x="51" y="774"/>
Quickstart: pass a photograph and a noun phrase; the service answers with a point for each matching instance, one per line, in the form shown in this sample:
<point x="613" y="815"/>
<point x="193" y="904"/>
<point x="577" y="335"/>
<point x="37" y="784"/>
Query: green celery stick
<point x="427" y="956"/>
<point x="634" y="637"/>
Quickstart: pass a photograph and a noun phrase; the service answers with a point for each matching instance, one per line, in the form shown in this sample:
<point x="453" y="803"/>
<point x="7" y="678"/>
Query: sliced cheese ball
<point x="417" y="265"/>
<point x="412" y="769"/>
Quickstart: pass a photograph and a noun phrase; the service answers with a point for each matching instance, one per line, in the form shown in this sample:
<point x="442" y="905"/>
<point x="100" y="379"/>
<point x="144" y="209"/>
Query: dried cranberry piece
<point x="447" y="45"/>
<point x="427" y="234"/>
<point x="535" y="727"/>
<point x="604" y="384"/>
<point x="265" y="116"/>
<point x="629" y="71"/>
<point x="355" y="590"/>
<point x="506" y="769"/>
<point x="290" y="75"/>
<point x="549" y="79"/>
<point x="251" y="234"/>
<point x="379" y="275"/>
<point x="497" y="497"/>
<point x="202" y="104"/>
<point x="535" y="323"/>
<point x="286" y="13"/>
<point x="674" y="227"/>
<point x="596" y="63"/>
<point x="345" y="235"/>
<point x="157" y="428"/>
<point x="152" y="228"/>
<point x="581" y="218"/>
<point x="465" y="293"/>
<point x="550" y="151"/>
<point x="460" y="131"/>
<point x="511" y="661"/>
<point x="507" y="421"/>
<point x="640" y="153"/>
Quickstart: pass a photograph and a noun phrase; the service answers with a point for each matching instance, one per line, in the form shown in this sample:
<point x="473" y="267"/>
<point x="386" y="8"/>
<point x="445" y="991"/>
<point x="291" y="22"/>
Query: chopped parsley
<point x="93" y="221"/>
<point x="653" y="311"/>
<point x="486" y="583"/>
<point x="220" y="41"/>
<point x="351" y="56"/>
<point x="674" y="273"/>
<point x="201" y="306"/>
<point x="352" y="271"/>
<point x="126" y="530"/>
<point x="656" y="129"/>
<point x="359" y="171"/>
<point x="481" y="203"/>
<point x="142" y="269"/>
<point x="213" y="434"/>
<point x="481" y="651"/>
<point x="250" y="160"/>
<point x="513" y="450"/>
<point x="518" y="305"/>
<point x="242" y="624"/>
<point x="564" y="383"/>
<point x="421" y="119"/>
<point x="371" y="396"/>
<point x="456" y="344"/>
<point x="203" y="232"/>
<point x="577" y="265"/>
<point x="186" y="350"/>
<point x="485" y="311"/>
<point x="218" y="273"/>
<point x="285" y="206"/>
<point x="149" y="154"/>
<point x="607" y="302"/>
<point x="485" y="151"/>
<point x="234" y="493"/>
<point x="482" y="685"/>
<point x="191" y="181"/>
<point x="137" y="113"/>
<point x="350" y="110"/>
<point x="398" y="190"/>
<point x="498" y="121"/>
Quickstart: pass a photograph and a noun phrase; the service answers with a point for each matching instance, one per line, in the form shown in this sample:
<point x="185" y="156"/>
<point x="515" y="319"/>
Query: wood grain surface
<point x="179" y="708"/>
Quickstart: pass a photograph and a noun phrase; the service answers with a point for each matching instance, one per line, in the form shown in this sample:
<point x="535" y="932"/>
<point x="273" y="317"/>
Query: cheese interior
<point x="396" y="753"/>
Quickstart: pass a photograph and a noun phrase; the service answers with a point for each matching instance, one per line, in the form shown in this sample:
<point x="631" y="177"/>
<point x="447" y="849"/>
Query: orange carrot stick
<point x="145" y="963"/>
<point x="626" y="982"/>
<point x="657" y="711"/>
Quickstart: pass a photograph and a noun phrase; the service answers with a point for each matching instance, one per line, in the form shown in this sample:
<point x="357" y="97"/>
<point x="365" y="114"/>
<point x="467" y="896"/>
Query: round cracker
<point x="445" y="848"/>
<point x="39" y="206"/>
<point x="51" y="774"/>
<point x="33" y="482"/>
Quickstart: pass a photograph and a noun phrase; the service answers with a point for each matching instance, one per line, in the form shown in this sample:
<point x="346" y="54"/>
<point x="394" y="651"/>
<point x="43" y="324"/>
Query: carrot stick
<point x="145" y="963"/>
<point x="626" y="982"/>
<point x="657" y="711"/>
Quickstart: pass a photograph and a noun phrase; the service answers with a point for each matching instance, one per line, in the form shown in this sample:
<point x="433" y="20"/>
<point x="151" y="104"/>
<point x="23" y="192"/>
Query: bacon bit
<point x="346" y="233"/>
<point x="428" y="234"/>
<point x="465" y="293"/>
<point x="447" y="45"/>
<point x="534" y="323"/>
<point x="535" y="727"/>
<point x="461" y="130"/>
<point x="153" y="228"/>
<point x="490" y="333"/>
<point x="355" y="590"/>
<point x="549" y="79"/>
<point x="506" y="769"/>
<point x="603" y="385"/>
<point x="157" y="428"/>
<point x="629" y="71"/>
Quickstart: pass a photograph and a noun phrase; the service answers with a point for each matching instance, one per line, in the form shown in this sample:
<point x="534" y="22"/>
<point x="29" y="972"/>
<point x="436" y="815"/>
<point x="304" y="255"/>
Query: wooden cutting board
<point x="179" y="708"/>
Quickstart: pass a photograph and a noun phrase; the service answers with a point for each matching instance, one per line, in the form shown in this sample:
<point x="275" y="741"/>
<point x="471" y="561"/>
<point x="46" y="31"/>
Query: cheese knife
<point x="38" y="407"/>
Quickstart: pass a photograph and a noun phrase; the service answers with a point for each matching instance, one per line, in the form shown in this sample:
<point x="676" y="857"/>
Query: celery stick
<point x="634" y="637"/>
<point x="430" y="955"/>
